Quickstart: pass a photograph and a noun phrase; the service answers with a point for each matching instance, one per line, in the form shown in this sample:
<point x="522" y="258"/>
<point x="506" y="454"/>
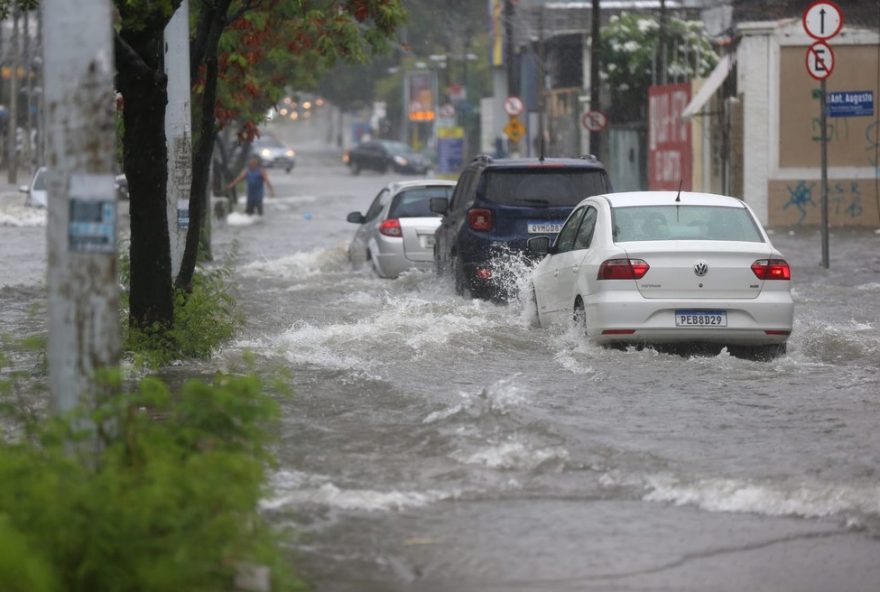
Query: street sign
<point x="447" y="111"/>
<point x="820" y="60"/>
<point x="513" y="106"/>
<point x="849" y="103"/>
<point x="594" y="121"/>
<point x="823" y="20"/>
<point x="514" y="129"/>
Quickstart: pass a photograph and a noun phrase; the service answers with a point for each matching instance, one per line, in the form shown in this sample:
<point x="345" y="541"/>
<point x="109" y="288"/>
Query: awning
<point x="710" y="87"/>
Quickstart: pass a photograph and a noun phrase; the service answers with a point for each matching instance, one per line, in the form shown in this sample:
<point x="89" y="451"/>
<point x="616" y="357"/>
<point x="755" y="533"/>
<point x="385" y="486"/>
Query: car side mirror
<point x="439" y="205"/>
<point x="356" y="218"/>
<point x="23" y="189"/>
<point x="539" y="245"/>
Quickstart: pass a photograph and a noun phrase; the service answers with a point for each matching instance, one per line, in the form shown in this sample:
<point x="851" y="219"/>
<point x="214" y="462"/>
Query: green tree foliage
<point x="152" y="491"/>
<point x="246" y="52"/>
<point x="629" y="46"/>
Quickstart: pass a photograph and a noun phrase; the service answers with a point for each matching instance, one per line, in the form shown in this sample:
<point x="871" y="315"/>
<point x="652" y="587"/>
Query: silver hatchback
<point x="397" y="232"/>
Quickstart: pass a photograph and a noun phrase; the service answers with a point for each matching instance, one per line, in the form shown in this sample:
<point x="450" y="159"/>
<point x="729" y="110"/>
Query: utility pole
<point x="542" y="85"/>
<point x="84" y="335"/>
<point x="29" y="85"/>
<point x="661" y="46"/>
<point x="12" y="124"/>
<point x="595" y="61"/>
<point x="178" y="132"/>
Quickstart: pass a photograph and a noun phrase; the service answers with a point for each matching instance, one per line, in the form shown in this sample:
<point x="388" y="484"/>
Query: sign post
<point x="822" y="20"/>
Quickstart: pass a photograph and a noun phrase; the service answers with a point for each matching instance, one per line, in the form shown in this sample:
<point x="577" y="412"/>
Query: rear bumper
<point x="390" y="258"/>
<point x="748" y="320"/>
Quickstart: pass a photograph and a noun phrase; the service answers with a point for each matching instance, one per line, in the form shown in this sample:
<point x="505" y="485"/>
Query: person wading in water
<point x="256" y="178"/>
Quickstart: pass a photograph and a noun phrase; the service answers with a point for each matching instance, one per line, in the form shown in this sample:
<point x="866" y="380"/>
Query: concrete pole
<point x="178" y="132"/>
<point x="29" y="85"/>
<point x="595" y="62"/>
<point x="12" y="125"/>
<point x="84" y="335"/>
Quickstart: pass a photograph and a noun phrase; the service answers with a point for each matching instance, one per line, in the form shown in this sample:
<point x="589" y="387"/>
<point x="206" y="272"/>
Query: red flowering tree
<point x="244" y="54"/>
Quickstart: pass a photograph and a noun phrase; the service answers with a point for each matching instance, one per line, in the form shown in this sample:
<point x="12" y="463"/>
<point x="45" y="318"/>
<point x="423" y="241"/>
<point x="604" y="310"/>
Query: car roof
<point x="398" y="185"/>
<point x="547" y="163"/>
<point x="654" y="198"/>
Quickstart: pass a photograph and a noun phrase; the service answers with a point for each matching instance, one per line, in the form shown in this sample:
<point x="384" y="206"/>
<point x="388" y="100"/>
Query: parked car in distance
<point x="397" y="232"/>
<point x="665" y="268"/>
<point x="499" y="204"/>
<point x="35" y="193"/>
<point x="273" y="152"/>
<point x="384" y="156"/>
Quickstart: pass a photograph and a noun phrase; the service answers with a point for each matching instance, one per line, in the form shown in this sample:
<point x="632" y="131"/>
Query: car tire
<point x="579" y="316"/>
<point x="355" y="169"/>
<point x="530" y="309"/>
<point x="461" y="283"/>
<point x="761" y="353"/>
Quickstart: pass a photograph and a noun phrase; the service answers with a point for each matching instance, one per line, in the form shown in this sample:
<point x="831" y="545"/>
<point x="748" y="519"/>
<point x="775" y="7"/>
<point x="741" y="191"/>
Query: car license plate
<point x="544" y="227"/>
<point x="427" y="241"/>
<point x="700" y="318"/>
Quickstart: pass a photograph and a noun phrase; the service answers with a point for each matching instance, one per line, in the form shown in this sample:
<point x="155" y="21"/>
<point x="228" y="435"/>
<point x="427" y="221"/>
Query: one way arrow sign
<point x="823" y="20"/>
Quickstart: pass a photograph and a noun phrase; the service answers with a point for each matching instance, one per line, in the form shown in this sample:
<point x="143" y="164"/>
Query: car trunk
<point x="418" y="237"/>
<point x="673" y="268"/>
<point x="528" y="222"/>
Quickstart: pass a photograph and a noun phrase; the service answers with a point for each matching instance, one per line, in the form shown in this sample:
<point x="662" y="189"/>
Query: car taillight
<point x="480" y="219"/>
<point x="623" y="269"/>
<point x="771" y="269"/>
<point x="391" y="228"/>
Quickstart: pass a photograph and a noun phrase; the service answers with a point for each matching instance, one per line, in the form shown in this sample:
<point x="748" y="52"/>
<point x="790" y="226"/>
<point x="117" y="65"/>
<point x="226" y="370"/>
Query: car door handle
<point x="555" y="273"/>
<point x="574" y="269"/>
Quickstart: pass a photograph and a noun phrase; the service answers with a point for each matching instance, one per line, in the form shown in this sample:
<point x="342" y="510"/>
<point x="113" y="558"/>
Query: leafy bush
<point x="152" y="491"/>
<point x="204" y="318"/>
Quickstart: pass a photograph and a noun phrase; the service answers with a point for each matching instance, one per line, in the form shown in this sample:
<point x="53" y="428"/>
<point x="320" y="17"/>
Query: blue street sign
<point x="850" y="103"/>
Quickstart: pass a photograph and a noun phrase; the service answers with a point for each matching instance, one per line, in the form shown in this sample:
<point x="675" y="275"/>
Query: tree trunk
<point x="204" y="129"/>
<point x="142" y="82"/>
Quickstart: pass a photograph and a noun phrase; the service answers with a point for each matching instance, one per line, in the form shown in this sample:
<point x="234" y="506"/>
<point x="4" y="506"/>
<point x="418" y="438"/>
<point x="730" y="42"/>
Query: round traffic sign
<point x="513" y="106"/>
<point x="820" y="60"/>
<point x="822" y="19"/>
<point x="594" y="121"/>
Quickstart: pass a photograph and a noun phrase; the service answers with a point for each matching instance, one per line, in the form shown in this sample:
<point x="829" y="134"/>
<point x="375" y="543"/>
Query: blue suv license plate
<point x="544" y="227"/>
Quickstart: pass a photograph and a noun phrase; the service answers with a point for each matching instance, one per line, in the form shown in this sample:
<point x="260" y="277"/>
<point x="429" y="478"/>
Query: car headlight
<point x="400" y="160"/>
<point x="291" y="153"/>
<point x="266" y="152"/>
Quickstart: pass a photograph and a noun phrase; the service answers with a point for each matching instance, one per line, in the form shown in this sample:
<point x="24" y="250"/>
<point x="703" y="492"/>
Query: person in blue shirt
<point x="256" y="178"/>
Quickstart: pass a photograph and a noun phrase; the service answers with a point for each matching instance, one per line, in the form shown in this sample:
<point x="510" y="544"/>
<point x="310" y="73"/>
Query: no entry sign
<point x="513" y="106"/>
<point x="594" y="121"/>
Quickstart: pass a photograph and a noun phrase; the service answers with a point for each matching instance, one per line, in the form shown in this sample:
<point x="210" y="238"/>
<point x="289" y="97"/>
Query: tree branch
<point x="127" y="56"/>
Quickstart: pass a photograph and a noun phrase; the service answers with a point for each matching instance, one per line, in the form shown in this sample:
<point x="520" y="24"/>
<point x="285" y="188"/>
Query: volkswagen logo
<point x="701" y="268"/>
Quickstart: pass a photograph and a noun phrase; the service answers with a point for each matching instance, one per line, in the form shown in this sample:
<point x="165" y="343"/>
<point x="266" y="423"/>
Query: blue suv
<point x="498" y="204"/>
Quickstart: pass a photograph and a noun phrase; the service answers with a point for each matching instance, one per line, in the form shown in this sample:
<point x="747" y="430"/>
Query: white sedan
<point x="666" y="268"/>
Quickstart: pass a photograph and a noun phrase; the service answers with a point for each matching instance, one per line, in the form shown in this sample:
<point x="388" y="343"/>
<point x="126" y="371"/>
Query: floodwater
<point x="441" y="444"/>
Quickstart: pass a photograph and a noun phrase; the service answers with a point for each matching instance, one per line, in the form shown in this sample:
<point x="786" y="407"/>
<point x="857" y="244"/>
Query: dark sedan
<point x="384" y="155"/>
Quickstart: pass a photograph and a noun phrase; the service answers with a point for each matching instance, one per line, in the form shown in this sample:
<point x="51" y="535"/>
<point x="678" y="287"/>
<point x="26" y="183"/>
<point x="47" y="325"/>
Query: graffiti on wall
<point x="798" y="202"/>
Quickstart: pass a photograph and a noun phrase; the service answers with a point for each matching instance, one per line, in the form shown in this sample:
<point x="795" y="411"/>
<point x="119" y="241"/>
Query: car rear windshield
<point x="688" y="222"/>
<point x="542" y="187"/>
<point x="416" y="203"/>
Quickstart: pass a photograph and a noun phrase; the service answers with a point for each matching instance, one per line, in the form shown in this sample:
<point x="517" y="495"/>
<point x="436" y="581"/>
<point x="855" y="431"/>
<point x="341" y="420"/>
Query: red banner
<point x="670" y="155"/>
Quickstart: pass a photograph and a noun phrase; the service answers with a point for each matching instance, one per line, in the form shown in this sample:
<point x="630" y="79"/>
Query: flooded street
<point x="440" y="444"/>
